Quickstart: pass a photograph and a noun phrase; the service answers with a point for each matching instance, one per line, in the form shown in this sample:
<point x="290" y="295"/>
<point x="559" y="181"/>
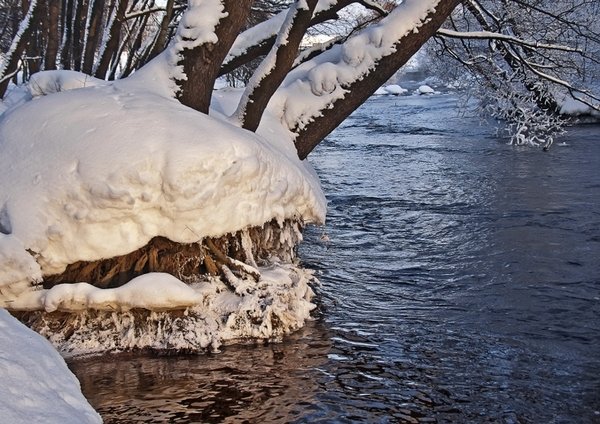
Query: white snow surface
<point x="96" y="172"/>
<point x="37" y="386"/>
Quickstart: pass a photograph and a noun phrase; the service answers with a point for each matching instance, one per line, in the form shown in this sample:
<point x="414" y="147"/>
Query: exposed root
<point x="240" y="301"/>
<point x="237" y="253"/>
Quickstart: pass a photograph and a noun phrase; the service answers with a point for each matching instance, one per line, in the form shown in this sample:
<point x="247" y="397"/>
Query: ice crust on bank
<point x="37" y="386"/>
<point x="265" y="310"/>
<point x="96" y="172"/>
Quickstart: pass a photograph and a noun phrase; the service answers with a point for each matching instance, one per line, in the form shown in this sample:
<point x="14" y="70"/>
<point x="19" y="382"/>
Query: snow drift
<point x="99" y="169"/>
<point x="36" y="385"/>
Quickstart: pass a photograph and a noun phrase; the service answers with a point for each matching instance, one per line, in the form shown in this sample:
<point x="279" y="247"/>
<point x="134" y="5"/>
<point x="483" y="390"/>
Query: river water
<point x="460" y="283"/>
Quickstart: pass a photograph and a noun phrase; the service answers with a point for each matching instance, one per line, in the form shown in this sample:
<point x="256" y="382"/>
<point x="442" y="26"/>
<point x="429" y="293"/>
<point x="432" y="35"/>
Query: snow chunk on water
<point x="37" y="386"/>
<point x="395" y="89"/>
<point x="425" y="89"/>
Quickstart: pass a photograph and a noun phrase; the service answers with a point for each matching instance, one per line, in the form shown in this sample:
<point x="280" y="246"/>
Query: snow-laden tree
<point x="132" y="177"/>
<point x="533" y="62"/>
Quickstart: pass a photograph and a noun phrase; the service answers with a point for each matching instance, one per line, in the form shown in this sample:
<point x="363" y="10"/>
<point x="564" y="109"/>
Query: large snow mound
<point x="96" y="172"/>
<point x="37" y="386"/>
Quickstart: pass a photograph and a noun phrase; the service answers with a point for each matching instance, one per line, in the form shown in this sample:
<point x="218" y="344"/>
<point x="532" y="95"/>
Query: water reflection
<point x="272" y="383"/>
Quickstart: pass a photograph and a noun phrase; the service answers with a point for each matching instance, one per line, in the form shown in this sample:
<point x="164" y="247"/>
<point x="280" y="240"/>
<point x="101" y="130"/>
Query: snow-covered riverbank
<point x="37" y="386"/>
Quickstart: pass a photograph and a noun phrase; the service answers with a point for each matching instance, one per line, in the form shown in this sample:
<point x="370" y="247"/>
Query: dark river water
<point x="460" y="283"/>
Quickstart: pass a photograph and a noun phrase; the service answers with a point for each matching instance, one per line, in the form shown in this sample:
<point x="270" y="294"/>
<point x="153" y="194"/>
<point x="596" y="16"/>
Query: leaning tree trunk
<point x="311" y="134"/>
<point x="265" y="82"/>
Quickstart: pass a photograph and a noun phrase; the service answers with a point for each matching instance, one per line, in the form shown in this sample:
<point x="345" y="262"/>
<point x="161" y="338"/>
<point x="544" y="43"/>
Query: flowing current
<point x="460" y="283"/>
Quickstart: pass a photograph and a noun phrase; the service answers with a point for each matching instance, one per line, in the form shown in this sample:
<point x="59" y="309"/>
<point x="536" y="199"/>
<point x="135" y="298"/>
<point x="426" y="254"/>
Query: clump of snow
<point x="37" y="386"/>
<point x="97" y="172"/>
<point x="197" y="27"/>
<point x="395" y="90"/>
<point x="44" y="83"/>
<point x="425" y="90"/>
<point x="390" y="90"/>
<point x="153" y="291"/>
<point x="279" y="303"/>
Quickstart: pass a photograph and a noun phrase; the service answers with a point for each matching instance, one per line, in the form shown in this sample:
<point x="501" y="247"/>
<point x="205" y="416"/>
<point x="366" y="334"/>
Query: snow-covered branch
<point x="320" y="93"/>
<point x="258" y="40"/>
<point x="275" y="66"/>
<point x="487" y="35"/>
<point x="149" y="11"/>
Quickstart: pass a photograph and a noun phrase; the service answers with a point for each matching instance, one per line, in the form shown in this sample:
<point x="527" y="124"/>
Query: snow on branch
<point x="142" y="12"/>
<point x="197" y="26"/>
<point x="375" y="6"/>
<point x="273" y="69"/>
<point x="256" y="35"/>
<point x="487" y="35"/>
<point x="315" y="85"/>
<point x="257" y="40"/>
<point x="572" y="89"/>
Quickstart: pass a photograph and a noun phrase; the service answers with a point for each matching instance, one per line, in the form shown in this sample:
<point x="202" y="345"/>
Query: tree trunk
<point x="161" y="39"/>
<point x="79" y="23"/>
<point x="201" y="64"/>
<point x="310" y="135"/>
<point x="112" y="44"/>
<point x="67" y="34"/>
<point x="19" y="44"/>
<point x="93" y="35"/>
<point x="53" y="34"/>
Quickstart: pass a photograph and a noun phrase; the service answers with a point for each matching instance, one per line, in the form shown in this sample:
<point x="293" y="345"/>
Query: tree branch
<point x="275" y="66"/>
<point x="487" y="35"/>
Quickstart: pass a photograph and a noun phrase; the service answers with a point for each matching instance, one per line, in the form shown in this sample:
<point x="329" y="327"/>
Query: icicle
<point x="247" y="247"/>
